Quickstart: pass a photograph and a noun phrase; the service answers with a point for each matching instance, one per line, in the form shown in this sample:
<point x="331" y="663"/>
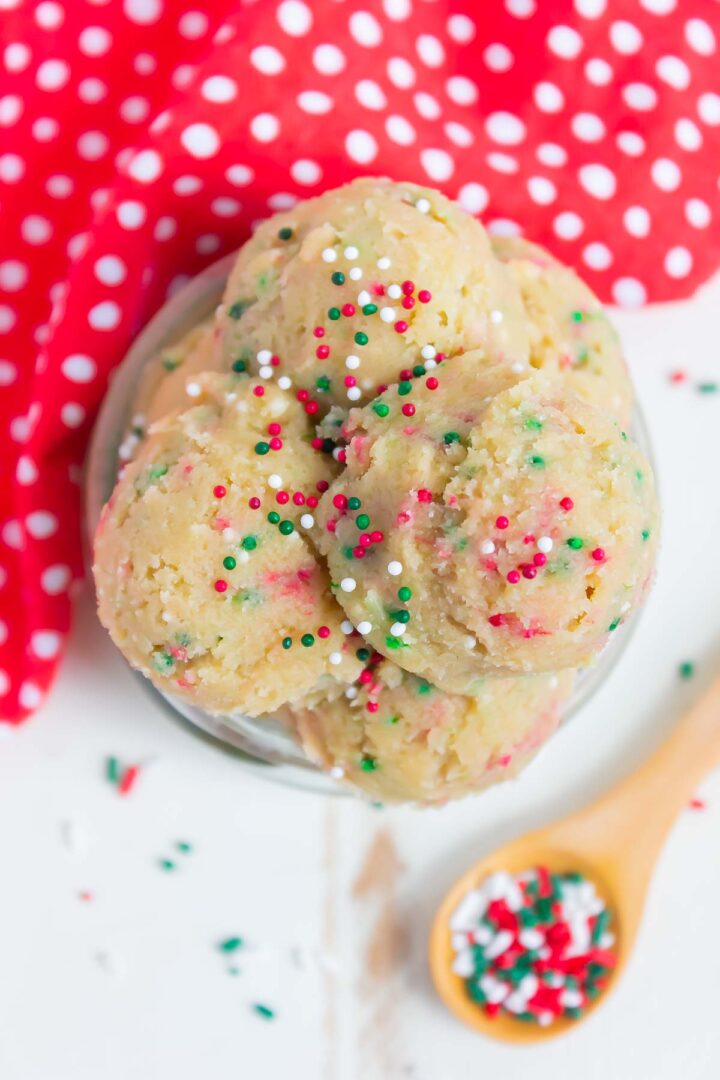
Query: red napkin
<point x="139" y="140"/>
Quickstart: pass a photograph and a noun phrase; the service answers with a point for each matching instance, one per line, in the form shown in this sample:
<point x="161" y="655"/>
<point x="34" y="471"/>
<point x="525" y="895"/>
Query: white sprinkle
<point x="364" y="298"/>
<point x="229" y="535"/>
<point x="470" y="642"/>
<point x="496" y="316"/>
<point x="423" y="205"/>
<point x="346" y="626"/>
<point x="354" y="393"/>
<point x="531" y="939"/>
<point x="307" y="521"/>
<point x="463" y="964"/>
<point x="487" y="547"/>
<point x="383" y="263"/>
<point x="351" y="693"/>
<point x="266" y="372"/>
<point x="348" y="584"/>
<point x="264" y="356"/>
<point x="351" y="252"/>
<point x="394" y="292"/>
<point x="243" y="556"/>
<point x="518" y="367"/>
<point x="335" y="658"/>
<point x="284" y="382"/>
<point x="166" y="617"/>
<point x="395" y="568"/>
<point x="494" y="989"/>
<point x="364" y="627"/>
<point x="398" y="629"/>
<point x="468" y="911"/>
<point x="337" y="452"/>
<point x="337" y="772"/>
<point x="274" y="481"/>
<point x="329" y="255"/>
<point x="545" y="544"/>
<point x="355" y="273"/>
<point x="74" y="837"/>
<point x="430" y="364"/>
<point x="500" y="944"/>
<point x="428" y="352"/>
<point x="387" y="314"/>
<point x="352" y="362"/>
<point x="193" y="389"/>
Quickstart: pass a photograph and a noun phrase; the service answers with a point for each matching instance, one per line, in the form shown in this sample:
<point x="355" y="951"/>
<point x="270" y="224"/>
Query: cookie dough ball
<point x="350" y="288"/>
<point x="205" y="578"/>
<point x="570" y="333"/>
<point x="483" y="527"/>
<point x="399" y="738"/>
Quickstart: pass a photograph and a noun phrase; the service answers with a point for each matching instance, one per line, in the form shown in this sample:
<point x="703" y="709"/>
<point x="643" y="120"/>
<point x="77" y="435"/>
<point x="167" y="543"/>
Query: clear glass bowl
<point x="263" y="746"/>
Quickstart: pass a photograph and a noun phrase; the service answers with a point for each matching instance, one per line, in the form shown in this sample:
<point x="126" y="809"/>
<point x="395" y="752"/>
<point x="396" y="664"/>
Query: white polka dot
<point x="146" y="166"/>
<point x="282" y="200"/>
<point x="11" y="107"/>
<point x="16" y="56"/>
<point x="182" y="76"/>
<point x="265" y="127"/>
<point x="328" y="59"/>
<point x="461" y="28"/>
<point x="503" y="227"/>
<point x="365" y="29"/>
<point x="564" y="42"/>
<point x="427" y="105"/>
<point x="144" y="64"/>
<point x="77" y="245"/>
<point x="134" y="110"/>
<point x="708" y="107"/>
<point x="598" y="72"/>
<point x="568" y="225"/>
<point x="30" y="695"/>
<point x="52" y="75"/>
<point x="314" y="102"/>
<point x="400" y="130"/>
<point x="590" y="9"/>
<point x="597" y="180"/>
<point x="49" y="15"/>
<point x="473" y="198"/>
<point x="639" y="96"/>
<point x="13" y="275"/>
<point x="193" y="25"/>
<point x="266" y="58"/>
<point x="397" y="10"/>
<point x="505" y="128"/>
<point x="636" y="220"/>
<point x="673" y="71"/>
<point x="658" y="7"/>
<point x="463" y="91"/>
<point x="625" y="37"/>
<point x="361" y="146"/>
<point x="678" y="262"/>
<point x="295" y="18"/>
<point x="400" y="72"/>
<point x="41" y="524"/>
<point x="78" y="368"/>
<point x="45" y="128"/>
<point x="220" y="89"/>
<point x="587" y="127"/>
<point x="541" y="190"/>
<point x="631" y="143"/>
<point x="521" y="9"/>
<point x="629" y="292"/>
<point x="8" y="373"/>
<point x="459" y="134"/>
<point x="143" y="12"/>
<point x="437" y="164"/>
<point x="206" y="244"/>
<point x="72" y="414"/>
<point x="698" y="213"/>
<point x="13" y="536"/>
<point x="502" y="163"/>
<point x="688" y="134"/>
<point x="551" y="154"/>
<point x="3" y="632"/>
<point x="92" y="145"/>
<point x="92" y="90"/>
<point x="55" y="579"/>
<point x="8" y="318"/>
<point x="36" y="229"/>
<point x="497" y="57"/>
<point x="666" y="174"/>
<point x="200" y="140"/>
<point x="110" y="270"/>
<point x="370" y="94"/>
<point x="94" y="41"/>
<point x="239" y="175"/>
<point x="131" y="214"/>
<point x="597" y="256"/>
<point x="430" y="50"/>
<point x="45" y="643"/>
<point x="305" y="171"/>
<point x="187" y="185"/>
<point x="105" y="315"/>
<point x="700" y="37"/>
<point x="5" y="683"/>
<point x="548" y="97"/>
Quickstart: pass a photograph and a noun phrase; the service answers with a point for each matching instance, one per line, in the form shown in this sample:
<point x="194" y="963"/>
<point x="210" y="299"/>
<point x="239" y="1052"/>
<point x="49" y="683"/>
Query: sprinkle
<point x="338" y="278"/>
<point x="346" y="626"/>
<point x="112" y="770"/>
<point x="307" y="521"/>
<point x="333" y="314"/>
<point x="220" y="586"/>
<point x="451" y="437"/>
<point x="368" y="763"/>
<point x="567" y="503"/>
<point x="249" y="543"/>
<point x="536" y="461"/>
<point x="323" y="632"/>
<point x="287" y="643"/>
<point x="404" y="387"/>
<point x="598" y="554"/>
<point x="575" y="543"/>
<point x="231" y="944"/>
<point x="351" y="252"/>
<point x="352" y="362"/>
<point x="387" y="314"/>
<point x="424" y="296"/>
<point x="423" y="205"/>
<point x="355" y="273"/>
<point x="394" y="292"/>
<point x="513" y="577"/>
<point x="128" y="779"/>
<point x="383" y="263"/>
<point x="285" y="233"/>
<point x="264" y="356"/>
<point x="400" y="326"/>
<point x="274" y="481"/>
<point x="258" y="391"/>
<point x="307" y="640"/>
<point x="369" y="309"/>
<point x="394" y="568"/>
<point x="362" y="521"/>
<point x="487" y="547"/>
<point x="239" y="366"/>
<point x="193" y="389"/>
<point x="229" y="563"/>
<point x="219" y="491"/>
<point x="284" y="382"/>
<point x="329" y="255"/>
<point x="432" y="383"/>
<point x="381" y="409"/>
<point x="398" y="629"/>
<point x="545" y="544"/>
<point x="335" y="658"/>
<point x="262" y="448"/>
<point x="708" y="387"/>
<point x="364" y="627"/>
<point x="286" y="527"/>
<point x="686" y="670"/>
<point x="273" y="517"/>
<point x="167" y="864"/>
<point x="348" y="584"/>
<point x="404" y="594"/>
<point x="361" y="338"/>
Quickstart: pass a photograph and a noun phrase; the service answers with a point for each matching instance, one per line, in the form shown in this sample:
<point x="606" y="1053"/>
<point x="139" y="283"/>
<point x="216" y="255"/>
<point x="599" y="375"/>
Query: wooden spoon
<point x="615" y="842"/>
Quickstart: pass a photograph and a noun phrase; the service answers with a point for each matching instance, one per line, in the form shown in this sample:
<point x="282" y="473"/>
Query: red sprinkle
<point x="502" y="522"/>
<point x="405" y="374"/>
<point x="275" y="361"/>
<point x="408" y="303"/>
<point x="408" y="287"/>
<point x="340" y="501"/>
<point x="348" y="310"/>
<point x="319" y="331"/>
<point x="400" y="326"/>
<point x="254" y="503"/>
<point x="496" y="620"/>
<point x="302" y="395"/>
<point x="324" y="631"/>
<point x="311" y="407"/>
<point x="282" y="497"/>
<point x="378" y="289"/>
<point x="276" y="444"/>
<point x="219" y="491"/>
<point x="424" y="496"/>
<point x="299" y="498"/>
<point x="312" y="501"/>
<point x="539" y="558"/>
<point x="322" y="485"/>
<point x="431" y="383"/>
<point x="316" y="442"/>
<point x="364" y="540"/>
<point x="258" y="391"/>
<point x="382" y="388"/>
<point x="598" y="554"/>
<point x="350" y="380"/>
<point x="220" y="585"/>
<point x="529" y="572"/>
<point x="567" y="503"/>
<point x="128" y="778"/>
<point x="274" y="429"/>
<point x="377" y="537"/>
<point x="513" y="577"/>
<point x="408" y="409"/>
<point x="424" y="296"/>
<point x="372" y="706"/>
<point x="365" y="677"/>
<point x="322" y="352"/>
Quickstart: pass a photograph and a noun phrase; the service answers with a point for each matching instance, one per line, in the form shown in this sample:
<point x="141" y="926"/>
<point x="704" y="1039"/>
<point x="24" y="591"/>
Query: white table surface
<point x="132" y="985"/>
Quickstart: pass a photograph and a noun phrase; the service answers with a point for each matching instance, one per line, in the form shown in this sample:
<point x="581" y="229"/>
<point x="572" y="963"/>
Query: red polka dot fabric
<point x="140" y="140"/>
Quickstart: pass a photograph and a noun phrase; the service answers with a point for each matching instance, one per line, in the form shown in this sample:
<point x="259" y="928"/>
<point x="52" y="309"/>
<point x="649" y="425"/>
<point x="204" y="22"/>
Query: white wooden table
<point x="332" y="897"/>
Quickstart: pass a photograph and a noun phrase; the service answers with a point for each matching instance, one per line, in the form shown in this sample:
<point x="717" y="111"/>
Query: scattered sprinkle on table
<point x="686" y="670"/>
<point x="231" y="944"/>
<point x="264" y="1011"/>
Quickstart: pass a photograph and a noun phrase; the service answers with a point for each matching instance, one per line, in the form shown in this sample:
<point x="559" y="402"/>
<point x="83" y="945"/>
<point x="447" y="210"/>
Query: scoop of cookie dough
<point x="352" y="287"/>
<point x="570" y="332"/>
<point x="398" y="738"/>
<point x="483" y="526"/>
<point x="205" y="578"/>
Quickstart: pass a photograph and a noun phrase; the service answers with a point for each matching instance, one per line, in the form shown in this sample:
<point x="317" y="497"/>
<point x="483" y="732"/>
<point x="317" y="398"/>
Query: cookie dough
<point x="482" y="526"/>
<point x="205" y="578"/>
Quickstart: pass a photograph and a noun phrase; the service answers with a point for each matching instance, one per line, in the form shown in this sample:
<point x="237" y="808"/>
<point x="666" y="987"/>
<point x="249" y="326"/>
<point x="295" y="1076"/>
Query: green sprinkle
<point x="708" y="387"/>
<point x="285" y="233"/>
<point x="287" y="643"/>
<point x="328" y="446"/>
<point x="184" y="847"/>
<point x="400" y="616"/>
<point x="395" y="643"/>
<point x="361" y="338"/>
<point x="264" y="1011"/>
<point x="381" y="408"/>
<point x="475" y="993"/>
<point x="363" y="654"/>
<point x="645" y="534"/>
<point x="239" y="366"/>
<point x="354" y="503"/>
<point x="601" y="925"/>
<point x="229" y="563"/>
<point x="169" y="363"/>
<point x="249" y="543"/>
<point x="362" y="521"/>
<point x="572" y="1014"/>
<point x="392" y="719"/>
<point x="404" y="594"/>
<point x="623" y="436"/>
<point x="262" y="448"/>
<point x="686" y="669"/>
<point x="614" y="624"/>
<point x="404" y="388"/>
<point x="576" y="316"/>
<point x="639" y="475"/>
<point x="156" y="472"/>
<point x="575" y="543"/>
<point x="231" y="944"/>
<point x="451" y="437"/>
<point x="338" y="278"/>
<point x="368" y="763"/>
<point x="167" y="864"/>
<point x="286" y="527"/>
<point x="323" y="383"/>
<point x="307" y="640"/>
<point x="533" y="424"/>
<point x="334" y="313"/>
<point x="236" y="310"/>
<point x="369" y="309"/>
<point x="112" y="770"/>
<point x="424" y="687"/>
<point x="536" y="461"/>
<point x="418" y="370"/>
<point x="273" y="517"/>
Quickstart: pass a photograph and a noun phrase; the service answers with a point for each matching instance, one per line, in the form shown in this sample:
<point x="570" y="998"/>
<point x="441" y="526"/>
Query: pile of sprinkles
<point x="536" y="946"/>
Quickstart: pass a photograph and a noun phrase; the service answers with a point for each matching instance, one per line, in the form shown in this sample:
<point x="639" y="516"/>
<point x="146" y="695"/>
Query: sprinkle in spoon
<point x="614" y="842"/>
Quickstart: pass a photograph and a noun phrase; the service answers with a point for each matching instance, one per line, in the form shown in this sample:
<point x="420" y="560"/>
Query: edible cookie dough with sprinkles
<point x="385" y="493"/>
